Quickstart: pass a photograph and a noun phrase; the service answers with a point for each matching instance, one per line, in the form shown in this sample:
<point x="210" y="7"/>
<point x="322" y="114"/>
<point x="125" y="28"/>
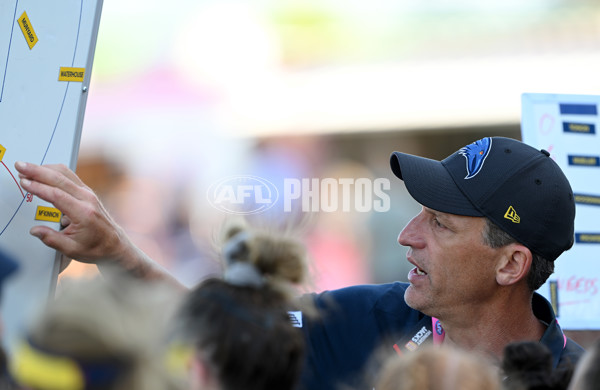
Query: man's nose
<point x="412" y="235"/>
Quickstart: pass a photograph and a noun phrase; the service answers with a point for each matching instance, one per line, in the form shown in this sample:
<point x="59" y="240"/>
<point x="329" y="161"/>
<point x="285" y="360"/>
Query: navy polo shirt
<point x="357" y="325"/>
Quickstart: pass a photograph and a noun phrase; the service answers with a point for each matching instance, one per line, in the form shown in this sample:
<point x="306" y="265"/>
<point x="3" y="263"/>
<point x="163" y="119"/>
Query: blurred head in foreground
<point x="438" y="368"/>
<point x="239" y="325"/>
<point x="529" y="365"/>
<point x="587" y="373"/>
<point x="103" y="333"/>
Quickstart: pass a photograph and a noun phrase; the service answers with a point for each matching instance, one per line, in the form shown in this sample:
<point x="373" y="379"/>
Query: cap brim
<point x="430" y="184"/>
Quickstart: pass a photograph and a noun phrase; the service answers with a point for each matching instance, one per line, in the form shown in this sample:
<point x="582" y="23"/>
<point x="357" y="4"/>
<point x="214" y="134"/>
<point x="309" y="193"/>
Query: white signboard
<point x="567" y="126"/>
<point x="46" y="53"/>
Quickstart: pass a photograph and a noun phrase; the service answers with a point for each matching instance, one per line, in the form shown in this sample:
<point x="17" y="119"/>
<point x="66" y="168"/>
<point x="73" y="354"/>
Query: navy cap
<point x="519" y="188"/>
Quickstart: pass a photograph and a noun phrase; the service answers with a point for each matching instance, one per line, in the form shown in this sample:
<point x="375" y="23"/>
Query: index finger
<point x="54" y="175"/>
<point x="54" y="186"/>
<point x="63" y="169"/>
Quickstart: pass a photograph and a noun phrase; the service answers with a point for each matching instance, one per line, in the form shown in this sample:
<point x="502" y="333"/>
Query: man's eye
<point x="437" y="223"/>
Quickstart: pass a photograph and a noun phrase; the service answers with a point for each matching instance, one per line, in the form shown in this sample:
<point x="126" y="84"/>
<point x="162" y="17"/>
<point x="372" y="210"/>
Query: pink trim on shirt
<point x="437" y="330"/>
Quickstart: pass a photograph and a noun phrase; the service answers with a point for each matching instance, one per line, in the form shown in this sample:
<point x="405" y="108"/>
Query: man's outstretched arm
<point x="89" y="233"/>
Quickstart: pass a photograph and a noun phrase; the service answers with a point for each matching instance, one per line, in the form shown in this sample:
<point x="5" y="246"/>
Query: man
<point x="495" y="216"/>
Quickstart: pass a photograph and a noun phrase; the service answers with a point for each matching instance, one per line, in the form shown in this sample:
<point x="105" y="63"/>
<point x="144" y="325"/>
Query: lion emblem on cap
<point x="475" y="154"/>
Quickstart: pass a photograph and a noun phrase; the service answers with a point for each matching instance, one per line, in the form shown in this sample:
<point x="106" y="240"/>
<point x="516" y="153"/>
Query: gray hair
<point x="541" y="268"/>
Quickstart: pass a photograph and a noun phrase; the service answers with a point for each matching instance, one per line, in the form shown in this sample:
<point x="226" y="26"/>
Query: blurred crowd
<point x="233" y="331"/>
<point x="235" y="328"/>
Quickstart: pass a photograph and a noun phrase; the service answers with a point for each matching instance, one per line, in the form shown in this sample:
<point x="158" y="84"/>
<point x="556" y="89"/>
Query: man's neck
<point x="493" y="327"/>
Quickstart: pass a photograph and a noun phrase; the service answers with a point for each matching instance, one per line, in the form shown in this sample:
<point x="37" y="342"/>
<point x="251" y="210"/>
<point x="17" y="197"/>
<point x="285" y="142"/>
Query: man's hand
<point x="89" y="234"/>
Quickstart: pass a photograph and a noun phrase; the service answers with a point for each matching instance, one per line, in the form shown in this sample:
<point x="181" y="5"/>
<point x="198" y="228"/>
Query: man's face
<point x="454" y="269"/>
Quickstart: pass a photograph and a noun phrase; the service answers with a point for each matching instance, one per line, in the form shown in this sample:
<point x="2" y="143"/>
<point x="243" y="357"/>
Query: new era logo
<point x="511" y="215"/>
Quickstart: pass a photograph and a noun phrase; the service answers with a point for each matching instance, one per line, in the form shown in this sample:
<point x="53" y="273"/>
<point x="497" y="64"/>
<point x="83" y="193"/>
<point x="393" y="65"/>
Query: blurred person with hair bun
<point x="104" y="333"/>
<point x="239" y="325"/>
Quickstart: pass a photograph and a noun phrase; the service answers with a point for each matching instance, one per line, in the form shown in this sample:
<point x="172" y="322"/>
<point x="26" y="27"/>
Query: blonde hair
<point x="240" y="324"/>
<point x="438" y="368"/>
<point x="277" y="256"/>
<point x="111" y="325"/>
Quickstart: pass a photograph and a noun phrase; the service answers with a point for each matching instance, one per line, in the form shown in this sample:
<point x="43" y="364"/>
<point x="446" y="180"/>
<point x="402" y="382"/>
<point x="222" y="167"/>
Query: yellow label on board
<point x="47" y="214"/>
<point x="2" y="151"/>
<point x="28" y="30"/>
<point x="71" y="74"/>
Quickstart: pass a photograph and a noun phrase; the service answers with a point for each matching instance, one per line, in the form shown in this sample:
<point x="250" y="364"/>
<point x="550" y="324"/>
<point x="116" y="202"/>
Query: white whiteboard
<point x="41" y="116"/>
<point x="568" y="127"/>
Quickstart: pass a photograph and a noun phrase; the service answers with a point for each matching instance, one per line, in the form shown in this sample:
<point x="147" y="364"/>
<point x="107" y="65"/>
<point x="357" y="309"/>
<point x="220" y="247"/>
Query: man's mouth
<point x="420" y="271"/>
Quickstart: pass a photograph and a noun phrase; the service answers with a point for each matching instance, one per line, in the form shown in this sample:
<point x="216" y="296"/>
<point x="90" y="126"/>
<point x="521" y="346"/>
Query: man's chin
<point x="415" y="300"/>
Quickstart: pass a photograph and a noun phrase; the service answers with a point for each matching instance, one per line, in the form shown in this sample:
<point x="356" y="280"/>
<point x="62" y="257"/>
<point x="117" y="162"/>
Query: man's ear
<point x="515" y="264"/>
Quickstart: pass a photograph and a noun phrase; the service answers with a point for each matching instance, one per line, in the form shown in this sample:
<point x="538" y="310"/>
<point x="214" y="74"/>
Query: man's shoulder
<point x="388" y="297"/>
<point x="382" y="304"/>
<point x="566" y="352"/>
<point x="371" y="290"/>
<point x="571" y="353"/>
